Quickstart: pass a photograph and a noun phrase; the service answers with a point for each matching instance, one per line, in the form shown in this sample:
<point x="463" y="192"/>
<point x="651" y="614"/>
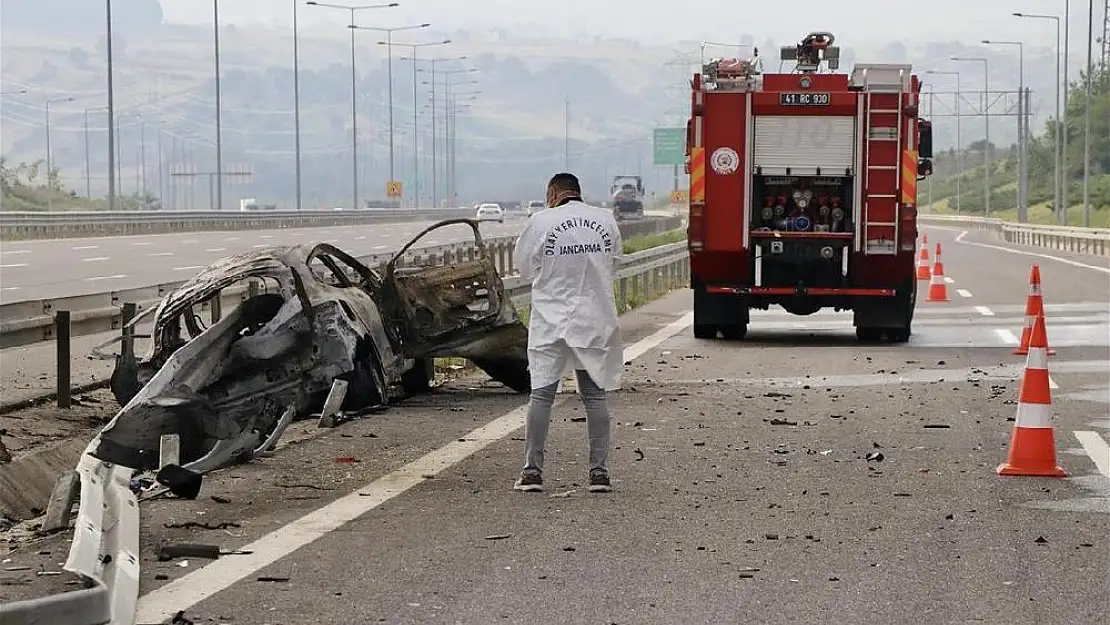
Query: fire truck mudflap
<point x="803" y="191"/>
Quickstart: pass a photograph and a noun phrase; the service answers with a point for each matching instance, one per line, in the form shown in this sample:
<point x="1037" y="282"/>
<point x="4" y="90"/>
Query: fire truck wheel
<point x="705" y="331"/>
<point x="868" y="333"/>
<point x="734" y="331"/>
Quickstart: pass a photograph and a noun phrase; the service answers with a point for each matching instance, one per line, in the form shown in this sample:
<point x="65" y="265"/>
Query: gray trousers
<point x="539" y="421"/>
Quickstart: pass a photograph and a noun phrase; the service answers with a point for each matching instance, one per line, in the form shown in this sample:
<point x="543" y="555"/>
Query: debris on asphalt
<point x="347" y="460"/>
<point x="199" y="525"/>
<point x="266" y="578"/>
<point x="1041" y="540"/>
<point x="570" y="549"/>
<point x="639" y="453"/>
<point x="564" y="494"/>
<point x="195" y="550"/>
<point x="498" y="536"/>
<point x="874" y="456"/>
<point x="782" y="422"/>
<point x="936" y="426"/>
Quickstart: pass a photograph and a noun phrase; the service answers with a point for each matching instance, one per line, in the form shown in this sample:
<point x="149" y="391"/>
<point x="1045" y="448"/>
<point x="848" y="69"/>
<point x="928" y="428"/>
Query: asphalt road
<point x="43" y="269"/>
<point x="744" y="492"/>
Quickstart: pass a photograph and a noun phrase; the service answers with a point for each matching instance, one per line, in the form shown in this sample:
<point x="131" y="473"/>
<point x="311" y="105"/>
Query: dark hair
<point x="565" y="182"/>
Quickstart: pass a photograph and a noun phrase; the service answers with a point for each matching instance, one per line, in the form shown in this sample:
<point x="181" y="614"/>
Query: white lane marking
<point x="360" y="238"/>
<point x="190" y="241"/>
<point x="98" y="278"/>
<point x="232" y="239"/>
<point x="266" y="236"/>
<point x="1052" y="383"/>
<point x="959" y="239"/>
<point x="964" y="292"/>
<point x="14" y="252"/>
<point x="949" y="280"/>
<point x="14" y="265"/>
<point x="380" y="247"/>
<point x="96" y="259"/>
<point x="1006" y="336"/>
<point x="216" y="249"/>
<point x="142" y="244"/>
<point x="1096" y="448"/>
<point x="9" y="288"/>
<point x="188" y="268"/>
<point x="161" y="254"/>
<point x="260" y="245"/>
<point x="85" y="247"/>
<point x="192" y="588"/>
<point x="983" y="310"/>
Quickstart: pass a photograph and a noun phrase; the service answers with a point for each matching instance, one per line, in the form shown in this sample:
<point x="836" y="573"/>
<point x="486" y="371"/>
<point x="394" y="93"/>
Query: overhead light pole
<point x="1023" y="131"/>
<point x="219" y="110"/>
<point x="354" y="93"/>
<point x="49" y="162"/>
<point x="389" y="65"/>
<point x="296" y="107"/>
<point x="1057" y="131"/>
<point x="959" y="141"/>
<point x="415" y="109"/>
<point x="435" y="181"/>
<point x="1087" y="116"/>
<point x="987" y="119"/>
<point x="111" y="114"/>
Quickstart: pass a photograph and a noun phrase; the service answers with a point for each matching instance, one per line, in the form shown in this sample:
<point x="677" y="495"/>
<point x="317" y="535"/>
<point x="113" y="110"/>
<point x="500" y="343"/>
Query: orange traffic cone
<point x="1034" y="307"/>
<point x="938" y="288"/>
<point x="1033" y="445"/>
<point x="923" y="259"/>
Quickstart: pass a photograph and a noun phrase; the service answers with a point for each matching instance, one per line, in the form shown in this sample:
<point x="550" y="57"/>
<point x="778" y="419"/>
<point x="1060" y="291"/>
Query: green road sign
<point x="670" y="146"/>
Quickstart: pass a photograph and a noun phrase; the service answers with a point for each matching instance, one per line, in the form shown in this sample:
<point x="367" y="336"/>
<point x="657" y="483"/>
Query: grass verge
<point x="648" y="241"/>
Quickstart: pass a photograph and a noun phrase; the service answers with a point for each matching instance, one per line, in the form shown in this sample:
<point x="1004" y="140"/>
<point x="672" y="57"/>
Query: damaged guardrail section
<point x="105" y="546"/>
<point x="1093" y="241"/>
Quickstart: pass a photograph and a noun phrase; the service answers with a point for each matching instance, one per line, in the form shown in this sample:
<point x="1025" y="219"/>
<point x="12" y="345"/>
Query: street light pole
<point x="389" y="68"/>
<point x="49" y="162"/>
<point x="296" y="107"/>
<point x="959" y="141"/>
<point x="1061" y="210"/>
<point x="435" y="165"/>
<point x="415" y="111"/>
<point x="1023" y="132"/>
<point x="987" y="120"/>
<point x="1064" y="119"/>
<point x="111" y="115"/>
<point x="354" y="93"/>
<point x="1087" y="116"/>
<point x="219" y="109"/>
<point x="88" y="175"/>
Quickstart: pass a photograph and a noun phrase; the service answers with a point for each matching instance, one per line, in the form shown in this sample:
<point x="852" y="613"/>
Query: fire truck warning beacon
<point x="803" y="190"/>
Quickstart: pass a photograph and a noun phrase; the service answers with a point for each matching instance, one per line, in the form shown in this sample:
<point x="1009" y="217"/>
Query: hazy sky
<point x="853" y="21"/>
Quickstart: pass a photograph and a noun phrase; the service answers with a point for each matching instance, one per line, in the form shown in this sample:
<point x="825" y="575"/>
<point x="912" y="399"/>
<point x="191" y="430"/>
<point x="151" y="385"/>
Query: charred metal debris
<point x="324" y="333"/>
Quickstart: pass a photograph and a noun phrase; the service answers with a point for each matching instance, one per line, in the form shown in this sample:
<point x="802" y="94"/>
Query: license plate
<point x="804" y="99"/>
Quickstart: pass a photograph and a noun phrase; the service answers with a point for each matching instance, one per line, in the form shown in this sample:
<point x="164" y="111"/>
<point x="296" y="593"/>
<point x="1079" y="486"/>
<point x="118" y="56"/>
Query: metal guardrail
<point x="1093" y="241"/>
<point x="56" y="225"/>
<point x="33" y="321"/>
<point x="105" y="547"/>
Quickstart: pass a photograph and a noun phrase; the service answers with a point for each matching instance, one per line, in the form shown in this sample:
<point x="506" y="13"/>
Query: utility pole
<point x="296" y="108"/>
<point x="88" y="175"/>
<point x="566" y="133"/>
<point x="111" y="116"/>
<point x="219" y="135"/>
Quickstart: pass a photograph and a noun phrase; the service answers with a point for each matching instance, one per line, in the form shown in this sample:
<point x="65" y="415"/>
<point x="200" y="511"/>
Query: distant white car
<point x="490" y="212"/>
<point x="535" y="206"/>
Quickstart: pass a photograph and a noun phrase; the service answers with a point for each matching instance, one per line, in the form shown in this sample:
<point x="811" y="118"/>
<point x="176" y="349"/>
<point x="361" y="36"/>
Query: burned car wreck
<point x="228" y="388"/>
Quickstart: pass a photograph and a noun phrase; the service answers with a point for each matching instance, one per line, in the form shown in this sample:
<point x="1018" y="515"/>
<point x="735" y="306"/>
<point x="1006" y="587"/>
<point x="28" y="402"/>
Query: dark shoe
<point x="599" y="481"/>
<point x="530" y="481"/>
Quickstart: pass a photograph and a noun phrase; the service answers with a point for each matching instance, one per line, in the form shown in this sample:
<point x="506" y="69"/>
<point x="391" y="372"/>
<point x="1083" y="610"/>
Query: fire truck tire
<point x="705" y="331"/>
<point x="868" y="333"/>
<point x="734" y="331"/>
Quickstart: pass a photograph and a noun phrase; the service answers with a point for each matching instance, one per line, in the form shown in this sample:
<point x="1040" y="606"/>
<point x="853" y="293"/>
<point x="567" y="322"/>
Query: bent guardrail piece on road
<point x="105" y="547"/>
<point x="1093" y="241"/>
<point x="104" y="552"/>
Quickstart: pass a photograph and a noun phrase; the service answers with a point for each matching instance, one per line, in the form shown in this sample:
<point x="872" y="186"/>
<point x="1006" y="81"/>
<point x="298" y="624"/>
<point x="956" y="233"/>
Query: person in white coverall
<point x="568" y="252"/>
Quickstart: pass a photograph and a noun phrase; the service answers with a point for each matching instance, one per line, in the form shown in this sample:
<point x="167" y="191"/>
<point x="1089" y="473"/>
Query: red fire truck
<point x="803" y="191"/>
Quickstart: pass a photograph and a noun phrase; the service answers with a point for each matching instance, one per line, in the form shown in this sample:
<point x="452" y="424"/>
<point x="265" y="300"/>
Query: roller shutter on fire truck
<point x="804" y="143"/>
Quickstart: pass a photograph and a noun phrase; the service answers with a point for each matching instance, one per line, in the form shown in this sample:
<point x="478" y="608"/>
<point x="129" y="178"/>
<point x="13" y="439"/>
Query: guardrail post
<point x="127" y="345"/>
<point x="216" y="307"/>
<point x="623" y="288"/>
<point x="511" y="252"/>
<point x="61" y="332"/>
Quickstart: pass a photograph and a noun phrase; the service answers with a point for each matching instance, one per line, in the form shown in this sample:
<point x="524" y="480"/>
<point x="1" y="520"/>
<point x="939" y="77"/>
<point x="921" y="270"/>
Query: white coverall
<point x="569" y="253"/>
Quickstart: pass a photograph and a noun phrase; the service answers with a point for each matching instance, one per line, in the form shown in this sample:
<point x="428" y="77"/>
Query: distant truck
<point x="628" y="197"/>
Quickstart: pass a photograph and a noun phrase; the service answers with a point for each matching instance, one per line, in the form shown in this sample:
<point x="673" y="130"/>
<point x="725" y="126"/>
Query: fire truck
<point x="803" y="190"/>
